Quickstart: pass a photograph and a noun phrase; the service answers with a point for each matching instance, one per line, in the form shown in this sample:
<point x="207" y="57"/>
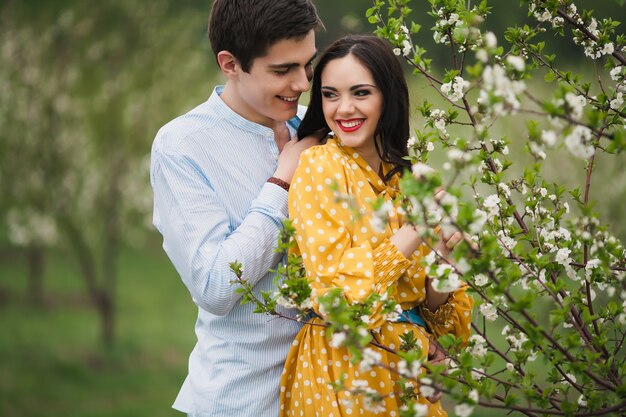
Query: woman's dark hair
<point x="392" y="131"/>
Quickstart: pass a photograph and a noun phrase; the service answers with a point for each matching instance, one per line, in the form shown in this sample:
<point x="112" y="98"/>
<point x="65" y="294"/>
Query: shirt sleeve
<point x="197" y="235"/>
<point x="333" y="255"/>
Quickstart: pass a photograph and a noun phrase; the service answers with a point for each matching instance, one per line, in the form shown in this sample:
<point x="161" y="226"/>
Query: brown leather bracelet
<point x="282" y="184"/>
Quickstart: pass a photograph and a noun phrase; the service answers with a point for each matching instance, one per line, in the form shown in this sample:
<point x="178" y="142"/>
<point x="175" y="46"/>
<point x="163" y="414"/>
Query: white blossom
<point x="481" y="280"/>
<point x="478" y="374"/>
<point x="516" y="62"/>
<point x="477" y="346"/>
<point x="337" y="339"/>
<point x="378" y="224"/>
<point x="504" y="189"/>
<point x="430" y="259"/>
<point x="500" y="93"/>
<point x="578" y="142"/>
<point x="570" y="378"/>
<point x="451" y="283"/>
<point x="562" y="256"/>
<point x="548" y="137"/>
<point x="437" y="116"/>
<point x="420" y="410"/>
<point x="454" y="89"/>
<point x="517" y="342"/>
<point x="576" y="104"/>
<point x="459" y="156"/>
<point x="381" y="215"/>
<point x="490" y="40"/>
<point x="616" y="73"/>
<point x="542" y="17"/>
<point x="479" y="220"/>
<point x="463" y="410"/>
<point x="489" y="311"/>
<point x="536" y="150"/>
<point x="481" y="55"/>
<point x="438" y="37"/>
<point x="373" y="406"/>
<point x="421" y="171"/>
<point x="491" y="204"/>
<point x="473" y="395"/>
<point x="369" y="359"/>
<point x="407" y="48"/>
<point x="403" y="368"/>
<point x="426" y="390"/>
<point x="618" y="101"/>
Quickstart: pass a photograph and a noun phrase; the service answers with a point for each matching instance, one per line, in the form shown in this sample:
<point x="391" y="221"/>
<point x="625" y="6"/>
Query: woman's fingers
<point x="453" y="239"/>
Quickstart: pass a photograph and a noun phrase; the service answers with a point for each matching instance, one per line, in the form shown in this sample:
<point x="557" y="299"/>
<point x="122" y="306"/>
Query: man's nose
<point x="301" y="81"/>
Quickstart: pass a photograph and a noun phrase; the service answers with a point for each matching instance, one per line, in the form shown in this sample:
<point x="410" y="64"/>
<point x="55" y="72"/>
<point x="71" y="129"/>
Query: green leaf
<point x="549" y="77"/>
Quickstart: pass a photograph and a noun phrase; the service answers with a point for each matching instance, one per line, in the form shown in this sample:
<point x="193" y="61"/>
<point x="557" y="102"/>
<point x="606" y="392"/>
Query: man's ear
<point x="228" y="64"/>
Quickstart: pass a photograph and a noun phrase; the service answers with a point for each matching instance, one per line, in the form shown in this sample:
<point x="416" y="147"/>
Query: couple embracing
<point x="226" y="174"/>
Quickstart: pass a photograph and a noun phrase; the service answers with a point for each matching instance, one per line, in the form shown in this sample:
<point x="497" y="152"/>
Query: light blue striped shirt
<point x="213" y="206"/>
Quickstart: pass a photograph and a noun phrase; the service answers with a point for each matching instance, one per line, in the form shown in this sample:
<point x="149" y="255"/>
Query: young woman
<point x="359" y="93"/>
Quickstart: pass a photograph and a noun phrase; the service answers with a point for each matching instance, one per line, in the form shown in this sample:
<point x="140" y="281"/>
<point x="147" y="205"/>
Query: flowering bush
<point x="547" y="276"/>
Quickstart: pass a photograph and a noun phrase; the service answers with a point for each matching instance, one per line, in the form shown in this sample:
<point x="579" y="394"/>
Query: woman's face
<point x="351" y="103"/>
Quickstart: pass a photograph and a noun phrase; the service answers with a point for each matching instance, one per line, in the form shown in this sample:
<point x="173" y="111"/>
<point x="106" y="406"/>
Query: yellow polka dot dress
<point x="340" y="248"/>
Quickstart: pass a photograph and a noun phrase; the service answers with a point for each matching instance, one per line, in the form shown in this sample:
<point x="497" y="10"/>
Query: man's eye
<point x="309" y="71"/>
<point x="280" y="72"/>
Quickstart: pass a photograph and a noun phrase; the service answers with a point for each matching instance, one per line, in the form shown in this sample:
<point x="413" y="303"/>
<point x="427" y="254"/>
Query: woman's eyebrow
<point x="356" y="87"/>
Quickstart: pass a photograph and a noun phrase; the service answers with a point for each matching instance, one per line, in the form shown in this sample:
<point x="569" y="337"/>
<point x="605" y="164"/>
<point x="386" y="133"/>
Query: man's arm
<point x="196" y="231"/>
<point x="197" y="235"/>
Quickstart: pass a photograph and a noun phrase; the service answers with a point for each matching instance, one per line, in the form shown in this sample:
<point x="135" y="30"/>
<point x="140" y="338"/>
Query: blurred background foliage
<point x="95" y="319"/>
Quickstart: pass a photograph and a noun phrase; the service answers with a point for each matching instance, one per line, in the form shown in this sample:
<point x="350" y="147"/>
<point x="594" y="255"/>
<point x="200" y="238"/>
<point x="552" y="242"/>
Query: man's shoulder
<point x="187" y="128"/>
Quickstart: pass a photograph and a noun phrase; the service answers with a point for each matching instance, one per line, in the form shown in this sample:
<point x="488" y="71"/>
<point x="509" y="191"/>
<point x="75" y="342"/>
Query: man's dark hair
<point x="392" y="131"/>
<point x="248" y="28"/>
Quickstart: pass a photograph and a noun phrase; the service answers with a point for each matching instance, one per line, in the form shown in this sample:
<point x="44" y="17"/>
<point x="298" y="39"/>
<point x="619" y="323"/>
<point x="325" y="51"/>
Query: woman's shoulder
<point x="329" y="154"/>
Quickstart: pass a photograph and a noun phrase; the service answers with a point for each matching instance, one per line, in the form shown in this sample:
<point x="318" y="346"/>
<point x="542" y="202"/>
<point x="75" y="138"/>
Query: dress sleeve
<point x="324" y="220"/>
<point x="453" y="317"/>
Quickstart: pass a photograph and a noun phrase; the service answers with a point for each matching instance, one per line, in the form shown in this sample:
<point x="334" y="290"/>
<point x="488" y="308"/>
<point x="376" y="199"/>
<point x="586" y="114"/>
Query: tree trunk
<point x="36" y="263"/>
<point x="106" y="311"/>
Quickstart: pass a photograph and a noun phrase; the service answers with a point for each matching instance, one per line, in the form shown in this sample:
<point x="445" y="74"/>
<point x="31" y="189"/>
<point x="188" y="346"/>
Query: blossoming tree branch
<point x="546" y="275"/>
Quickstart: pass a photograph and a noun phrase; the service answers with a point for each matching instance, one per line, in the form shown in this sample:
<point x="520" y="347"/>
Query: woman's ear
<point x="228" y="64"/>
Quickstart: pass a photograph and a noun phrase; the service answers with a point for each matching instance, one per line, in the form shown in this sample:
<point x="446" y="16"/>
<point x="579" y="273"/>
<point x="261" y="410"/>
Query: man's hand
<point x="290" y="156"/>
<point x="436" y="356"/>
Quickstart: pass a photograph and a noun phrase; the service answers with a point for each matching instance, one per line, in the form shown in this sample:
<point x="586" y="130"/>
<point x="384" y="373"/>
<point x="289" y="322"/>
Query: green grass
<point x="53" y="364"/>
<point x="51" y="359"/>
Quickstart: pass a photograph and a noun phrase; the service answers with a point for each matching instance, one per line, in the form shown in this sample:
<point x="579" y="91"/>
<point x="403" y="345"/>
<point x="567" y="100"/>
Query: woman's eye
<point x="361" y="93"/>
<point x="328" y="94"/>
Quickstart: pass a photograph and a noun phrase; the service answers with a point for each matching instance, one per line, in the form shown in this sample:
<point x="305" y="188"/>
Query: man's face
<point x="269" y="92"/>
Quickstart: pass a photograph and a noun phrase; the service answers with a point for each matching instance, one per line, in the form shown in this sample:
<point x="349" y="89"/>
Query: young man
<point x="220" y="175"/>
